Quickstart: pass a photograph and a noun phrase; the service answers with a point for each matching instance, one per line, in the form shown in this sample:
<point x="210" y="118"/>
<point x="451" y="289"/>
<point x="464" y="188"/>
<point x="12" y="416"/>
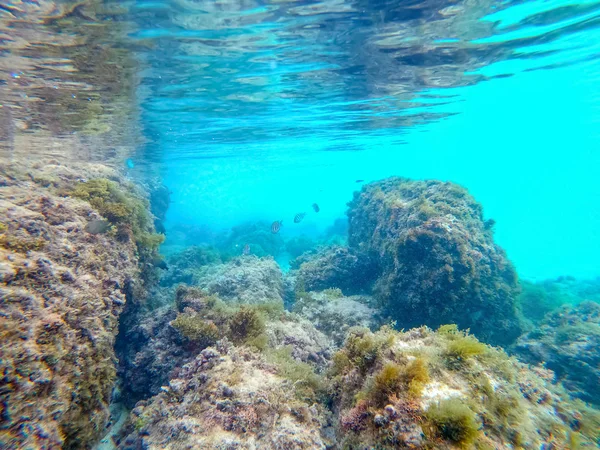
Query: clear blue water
<point x="253" y="110"/>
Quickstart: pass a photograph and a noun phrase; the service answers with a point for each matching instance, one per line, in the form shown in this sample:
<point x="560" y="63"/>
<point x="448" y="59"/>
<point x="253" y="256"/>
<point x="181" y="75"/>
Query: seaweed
<point x="454" y="421"/>
<point x="197" y="330"/>
<point x="246" y="323"/>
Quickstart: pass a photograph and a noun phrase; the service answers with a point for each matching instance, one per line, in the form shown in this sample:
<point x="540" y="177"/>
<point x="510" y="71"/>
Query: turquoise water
<point x="256" y="110"/>
<point x="215" y="233"/>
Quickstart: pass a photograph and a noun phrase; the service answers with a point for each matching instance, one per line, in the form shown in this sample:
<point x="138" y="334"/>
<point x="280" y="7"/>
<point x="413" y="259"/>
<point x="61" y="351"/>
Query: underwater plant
<point x="454" y="421"/>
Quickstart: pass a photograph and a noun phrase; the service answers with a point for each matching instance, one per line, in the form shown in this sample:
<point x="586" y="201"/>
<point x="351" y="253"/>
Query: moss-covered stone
<point x="436" y="259"/>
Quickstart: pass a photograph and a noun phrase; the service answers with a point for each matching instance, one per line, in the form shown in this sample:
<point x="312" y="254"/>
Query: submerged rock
<point x="568" y="343"/>
<point x="437" y="261"/>
<point x="187" y="265"/>
<point x="226" y="397"/>
<point x="62" y="291"/>
<point x="423" y="389"/>
<point x="333" y="314"/>
<point x="246" y="279"/>
<point x="335" y="267"/>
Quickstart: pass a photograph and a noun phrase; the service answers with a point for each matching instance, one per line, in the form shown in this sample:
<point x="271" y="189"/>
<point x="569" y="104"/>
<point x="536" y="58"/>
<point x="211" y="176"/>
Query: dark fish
<point x="360" y="181"/>
<point x="316" y="207"/>
<point x="276" y="226"/>
<point x="97" y="226"/>
<point x="246" y="250"/>
<point x="298" y="217"/>
<point x="160" y="263"/>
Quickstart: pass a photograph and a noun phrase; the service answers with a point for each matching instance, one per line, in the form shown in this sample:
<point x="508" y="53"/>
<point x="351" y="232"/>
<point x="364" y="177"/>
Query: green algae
<point x="454" y="421"/>
<point x="307" y="384"/>
<point x="246" y="323"/>
<point x="196" y="329"/>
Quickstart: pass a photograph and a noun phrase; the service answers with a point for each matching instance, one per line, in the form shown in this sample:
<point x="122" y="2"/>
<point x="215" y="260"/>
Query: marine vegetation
<point x="123" y="209"/>
<point x="568" y="342"/>
<point x="454" y="421"/>
<point x="407" y="393"/>
<point x="437" y="261"/>
<point x="62" y="292"/>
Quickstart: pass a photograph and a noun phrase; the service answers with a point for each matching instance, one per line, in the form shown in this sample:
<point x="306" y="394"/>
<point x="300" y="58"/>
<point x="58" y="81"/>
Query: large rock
<point x="62" y="289"/>
<point x="568" y="342"/>
<point x="437" y="259"/>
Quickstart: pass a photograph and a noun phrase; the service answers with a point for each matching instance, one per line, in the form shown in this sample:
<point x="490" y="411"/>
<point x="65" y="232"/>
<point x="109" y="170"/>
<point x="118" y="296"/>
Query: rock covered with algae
<point x="62" y="291"/>
<point x="568" y="342"/>
<point x="446" y="390"/>
<point x="226" y="397"/>
<point x="162" y="340"/>
<point x="245" y="279"/>
<point x="334" y="314"/>
<point x="437" y="260"/>
<point x="335" y="267"/>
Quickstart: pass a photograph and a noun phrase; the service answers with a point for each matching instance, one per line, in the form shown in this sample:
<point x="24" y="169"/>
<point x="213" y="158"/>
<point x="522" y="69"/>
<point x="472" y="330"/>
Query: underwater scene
<point x="299" y="224"/>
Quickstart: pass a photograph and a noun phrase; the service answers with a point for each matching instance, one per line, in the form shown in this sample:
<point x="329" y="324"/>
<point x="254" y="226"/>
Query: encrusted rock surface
<point x="246" y="279"/>
<point x="437" y="259"/>
<point x="445" y="390"/>
<point x="336" y="267"/>
<point x="333" y="314"/>
<point x="62" y="291"/>
<point x="568" y="342"/>
<point x="226" y="397"/>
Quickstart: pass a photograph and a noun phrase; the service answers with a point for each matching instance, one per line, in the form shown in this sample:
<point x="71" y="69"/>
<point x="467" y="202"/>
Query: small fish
<point x="97" y="226"/>
<point x="246" y="250"/>
<point x="276" y="226"/>
<point x="129" y="163"/>
<point x="298" y="217"/>
<point x="316" y="207"/>
<point x="359" y="181"/>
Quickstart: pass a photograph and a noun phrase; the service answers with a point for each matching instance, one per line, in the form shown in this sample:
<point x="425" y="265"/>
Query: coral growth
<point x="568" y="342"/>
<point x="437" y="259"/>
<point x="61" y="301"/>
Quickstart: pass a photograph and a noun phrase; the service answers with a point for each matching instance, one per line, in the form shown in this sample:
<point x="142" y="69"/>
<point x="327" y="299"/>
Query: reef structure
<point x="437" y="259"/>
<point x="63" y="287"/>
<point x="568" y="342"/>
<point x="422" y="389"/>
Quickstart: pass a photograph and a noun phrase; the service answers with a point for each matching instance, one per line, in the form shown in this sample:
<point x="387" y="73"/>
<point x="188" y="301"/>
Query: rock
<point x="335" y="267"/>
<point x="568" y="342"/>
<point x="391" y="386"/>
<point x="333" y="314"/>
<point x="264" y="412"/>
<point x="58" y="322"/>
<point x="437" y="260"/>
<point x="246" y="279"/>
